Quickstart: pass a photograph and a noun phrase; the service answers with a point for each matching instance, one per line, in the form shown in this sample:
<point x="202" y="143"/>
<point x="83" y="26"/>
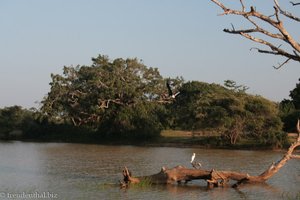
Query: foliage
<point x="139" y="121"/>
<point x="230" y="84"/>
<point x="290" y="109"/>
<point x="229" y="113"/>
<point x="14" y="118"/>
<point x="295" y="96"/>
<point x="111" y="97"/>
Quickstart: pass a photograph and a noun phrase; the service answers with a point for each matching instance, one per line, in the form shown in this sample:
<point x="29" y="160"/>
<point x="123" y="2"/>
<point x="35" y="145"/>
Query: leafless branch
<point x="275" y="50"/>
<point x="256" y="18"/>
<point x="295" y="156"/>
<point x="285" y="13"/>
<point x="294" y="4"/>
<point x="264" y="31"/>
<point x="243" y="6"/>
<point x="276" y="13"/>
<point x="105" y="103"/>
<point x="280" y="65"/>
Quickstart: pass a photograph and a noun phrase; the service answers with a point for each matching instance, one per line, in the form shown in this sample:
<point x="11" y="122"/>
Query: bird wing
<point x="177" y="93"/>
<point x="169" y="87"/>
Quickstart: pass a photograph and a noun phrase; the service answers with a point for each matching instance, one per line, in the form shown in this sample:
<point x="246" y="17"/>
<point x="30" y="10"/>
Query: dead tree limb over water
<point x="214" y="178"/>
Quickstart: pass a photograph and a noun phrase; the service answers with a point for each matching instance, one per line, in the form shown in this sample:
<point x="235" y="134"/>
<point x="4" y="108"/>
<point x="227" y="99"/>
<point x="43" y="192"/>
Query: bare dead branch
<point x="164" y="101"/>
<point x="220" y="5"/>
<point x="294" y="4"/>
<point x="232" y="26"/>
<point x="105" y="103"/>
<point x="277" y="23"/>
<point x="243" y="6"/>
<point x="280" y="65"/>
<point x="276" y="14"/>
<point x="264" y="31"/>
<point x="275" y="50"/>
<point x="295" y="156"/>
<point x="285" y="13"/>
<point x="254" y="30"/>
<point x="233" y="31"/>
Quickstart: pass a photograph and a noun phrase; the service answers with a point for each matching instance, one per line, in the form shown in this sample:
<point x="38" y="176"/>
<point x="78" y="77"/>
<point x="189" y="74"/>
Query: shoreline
<point x="171" y="144"/>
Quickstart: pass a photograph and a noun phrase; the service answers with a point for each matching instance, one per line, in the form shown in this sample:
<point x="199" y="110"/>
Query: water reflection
<point x="79" y="171"/>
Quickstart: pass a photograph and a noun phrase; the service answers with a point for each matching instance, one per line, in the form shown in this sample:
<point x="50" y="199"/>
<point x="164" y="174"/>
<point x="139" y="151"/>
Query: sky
<point x="179" y="37"/>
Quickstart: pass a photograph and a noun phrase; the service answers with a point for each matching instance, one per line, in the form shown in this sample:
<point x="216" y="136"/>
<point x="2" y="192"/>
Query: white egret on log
<point x="193" y="157"/>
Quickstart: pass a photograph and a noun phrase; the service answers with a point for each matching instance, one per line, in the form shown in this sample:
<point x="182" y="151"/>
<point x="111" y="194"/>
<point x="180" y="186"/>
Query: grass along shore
<point x="179" y="138"/>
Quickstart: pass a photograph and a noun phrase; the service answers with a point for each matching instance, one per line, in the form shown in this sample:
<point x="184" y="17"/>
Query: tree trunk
<point x="214" y="178"/>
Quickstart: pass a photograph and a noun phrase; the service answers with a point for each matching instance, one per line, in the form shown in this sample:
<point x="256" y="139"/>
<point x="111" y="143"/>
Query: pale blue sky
<point x="180" y="37"/>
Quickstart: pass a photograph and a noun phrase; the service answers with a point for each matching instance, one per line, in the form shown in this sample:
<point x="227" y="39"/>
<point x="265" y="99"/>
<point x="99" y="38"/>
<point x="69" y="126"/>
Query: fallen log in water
<point x="214" y="178"/>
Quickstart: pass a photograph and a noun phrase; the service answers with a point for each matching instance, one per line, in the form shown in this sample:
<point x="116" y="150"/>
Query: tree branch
<point x="280" y="65"/>
<point x="275" y="50"/>
<point x="276" y="23"/>
<point x="294" y="4"/>
<point x="105" y="103"/>
<point x="285" y="13"/>
<point x="295" y="156"/>
<point x="264" y="31"/>
<point x="243" y="6"/>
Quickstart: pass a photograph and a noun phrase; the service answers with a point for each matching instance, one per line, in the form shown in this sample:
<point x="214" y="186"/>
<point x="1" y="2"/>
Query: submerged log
<point x="214" y="178"/>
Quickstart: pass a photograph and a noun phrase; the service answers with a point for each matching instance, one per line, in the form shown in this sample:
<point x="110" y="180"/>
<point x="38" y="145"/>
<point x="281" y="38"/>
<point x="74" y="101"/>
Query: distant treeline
<point x="124" y="99"/>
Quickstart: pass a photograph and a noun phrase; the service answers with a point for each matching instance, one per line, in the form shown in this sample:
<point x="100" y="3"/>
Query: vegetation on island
<point x="123" y="100"/>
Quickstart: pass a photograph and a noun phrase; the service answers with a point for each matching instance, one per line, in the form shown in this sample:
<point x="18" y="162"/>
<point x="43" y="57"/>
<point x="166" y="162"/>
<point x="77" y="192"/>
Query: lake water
<point x="84" y="171"/>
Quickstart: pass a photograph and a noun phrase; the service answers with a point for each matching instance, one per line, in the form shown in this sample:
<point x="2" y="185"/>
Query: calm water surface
<point x="80" y="171"/>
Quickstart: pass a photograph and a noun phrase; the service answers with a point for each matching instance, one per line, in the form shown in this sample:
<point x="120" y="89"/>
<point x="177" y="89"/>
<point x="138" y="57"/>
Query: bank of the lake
<point x="167" y="138"/>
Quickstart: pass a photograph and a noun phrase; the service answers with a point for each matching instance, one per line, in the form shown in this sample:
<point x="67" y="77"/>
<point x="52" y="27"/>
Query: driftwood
<point x="214" y="178"/>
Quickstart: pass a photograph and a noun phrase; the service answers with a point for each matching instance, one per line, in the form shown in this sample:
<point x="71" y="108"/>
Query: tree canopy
<point x="120" y="96"/>
<point x="226" y="112"/>
<point x="15" y="118"/>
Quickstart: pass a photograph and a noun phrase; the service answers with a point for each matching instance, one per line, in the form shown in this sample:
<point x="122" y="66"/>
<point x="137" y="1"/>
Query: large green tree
<point x="228" y="113"/>
<point x="118" y="95"/>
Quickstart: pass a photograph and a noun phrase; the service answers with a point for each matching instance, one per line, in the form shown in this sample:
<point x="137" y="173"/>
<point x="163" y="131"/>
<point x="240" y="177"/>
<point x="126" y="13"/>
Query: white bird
<point x="193" y="157"/>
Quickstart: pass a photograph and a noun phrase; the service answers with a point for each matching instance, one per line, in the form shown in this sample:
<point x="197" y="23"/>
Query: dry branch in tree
<point x="105" y="103"/>
<point x="214" y="178"/>
<point x="256" y="18"/>
<point x="294" y="4"/>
